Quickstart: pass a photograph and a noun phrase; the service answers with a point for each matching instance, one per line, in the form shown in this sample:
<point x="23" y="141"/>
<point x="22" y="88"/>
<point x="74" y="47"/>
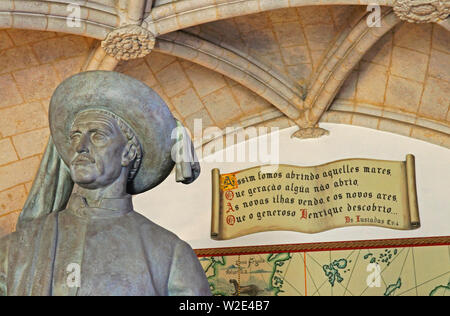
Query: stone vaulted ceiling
<point x="230" y="63"/>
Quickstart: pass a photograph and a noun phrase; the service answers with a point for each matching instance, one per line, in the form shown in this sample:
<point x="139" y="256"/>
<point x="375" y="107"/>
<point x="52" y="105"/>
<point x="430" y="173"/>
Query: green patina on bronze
<point x="111" y="137"/>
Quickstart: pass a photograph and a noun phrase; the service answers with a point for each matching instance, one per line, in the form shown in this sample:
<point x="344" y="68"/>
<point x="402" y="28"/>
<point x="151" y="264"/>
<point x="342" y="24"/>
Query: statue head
<point x="103" y="148"/>
<point x="107" y="125"/>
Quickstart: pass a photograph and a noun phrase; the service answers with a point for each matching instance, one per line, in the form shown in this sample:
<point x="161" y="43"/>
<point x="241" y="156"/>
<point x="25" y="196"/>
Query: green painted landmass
<point x="441" y="290"/>
<point x="277" y="282"/>
<point x="214" y="265"/>
<point x="332" y="270"/>
<point x="385" y="257"/>
<point x="391" y="288"/>
<point x="278" y="257"/>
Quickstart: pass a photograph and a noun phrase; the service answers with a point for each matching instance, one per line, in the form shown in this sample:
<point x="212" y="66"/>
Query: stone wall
<point x="403" y="84"/>
<point x="194" y="92"/>
<point x="292" y="40"/>
<point x="32" y="64"/>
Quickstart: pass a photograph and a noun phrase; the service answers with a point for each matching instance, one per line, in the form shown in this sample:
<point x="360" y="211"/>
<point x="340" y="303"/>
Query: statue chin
<point x="84" y="177"/>
<point x="89" y="177"/>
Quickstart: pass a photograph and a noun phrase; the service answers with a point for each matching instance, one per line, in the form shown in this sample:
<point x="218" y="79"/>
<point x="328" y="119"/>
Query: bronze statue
<point x="111" y="137"/>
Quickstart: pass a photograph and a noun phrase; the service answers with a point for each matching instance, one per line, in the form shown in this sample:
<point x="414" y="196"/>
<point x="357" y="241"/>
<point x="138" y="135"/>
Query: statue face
<point x="98" y="147"/>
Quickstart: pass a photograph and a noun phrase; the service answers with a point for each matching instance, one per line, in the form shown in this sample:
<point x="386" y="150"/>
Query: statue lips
<point x="83" y="159"/>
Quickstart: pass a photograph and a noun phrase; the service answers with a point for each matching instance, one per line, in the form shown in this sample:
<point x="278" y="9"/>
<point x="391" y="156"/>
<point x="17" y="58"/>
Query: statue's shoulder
<point x="153" y="233"/>
<point x="29" y="228"/>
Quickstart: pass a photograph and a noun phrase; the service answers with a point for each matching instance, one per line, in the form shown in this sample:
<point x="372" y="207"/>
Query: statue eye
<point x="98" y="137"/>
<point x="75" y="138"/>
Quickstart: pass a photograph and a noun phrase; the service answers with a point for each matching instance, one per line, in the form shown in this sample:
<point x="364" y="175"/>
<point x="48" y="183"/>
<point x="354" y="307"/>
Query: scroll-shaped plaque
<point x="352" y="192"/>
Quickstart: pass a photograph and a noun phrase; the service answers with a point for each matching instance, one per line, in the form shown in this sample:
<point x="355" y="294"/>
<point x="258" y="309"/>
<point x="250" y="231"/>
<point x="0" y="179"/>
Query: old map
<point x="376" y="272"/>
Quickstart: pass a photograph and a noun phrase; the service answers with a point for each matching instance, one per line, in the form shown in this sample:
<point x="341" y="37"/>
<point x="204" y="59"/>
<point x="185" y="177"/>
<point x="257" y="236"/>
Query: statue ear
<point x="129" y="154"/>
<point x="187" y="167"/>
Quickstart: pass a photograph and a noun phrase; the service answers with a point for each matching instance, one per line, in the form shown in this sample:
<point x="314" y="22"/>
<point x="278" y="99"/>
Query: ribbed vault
<point x="304" y="101"/>
<point x="230" y="63"/>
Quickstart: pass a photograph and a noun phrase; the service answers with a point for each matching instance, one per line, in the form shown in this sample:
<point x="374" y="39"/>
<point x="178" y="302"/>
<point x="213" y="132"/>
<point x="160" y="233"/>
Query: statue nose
<point x="83" y="147"/>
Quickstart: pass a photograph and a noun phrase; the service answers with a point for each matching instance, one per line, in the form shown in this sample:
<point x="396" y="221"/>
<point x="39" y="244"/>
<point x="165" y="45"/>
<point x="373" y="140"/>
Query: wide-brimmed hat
<point x="131" y="100"/>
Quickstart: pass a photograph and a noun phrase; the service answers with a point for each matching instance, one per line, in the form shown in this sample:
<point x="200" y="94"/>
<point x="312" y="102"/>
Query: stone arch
<point x="342" y="57"/>
<point x="96" y="20"/>
<point x="178" y="15"/>
<point x="266" y="82"/>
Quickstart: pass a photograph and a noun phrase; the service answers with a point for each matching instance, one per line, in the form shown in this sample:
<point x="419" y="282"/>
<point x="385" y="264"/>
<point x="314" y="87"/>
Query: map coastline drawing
<point x="391" y="271"/>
